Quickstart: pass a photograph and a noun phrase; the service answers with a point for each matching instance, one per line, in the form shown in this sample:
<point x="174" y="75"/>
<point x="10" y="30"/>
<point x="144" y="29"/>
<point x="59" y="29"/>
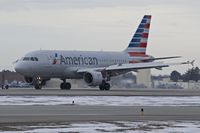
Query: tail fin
<point x="138" y="44"/>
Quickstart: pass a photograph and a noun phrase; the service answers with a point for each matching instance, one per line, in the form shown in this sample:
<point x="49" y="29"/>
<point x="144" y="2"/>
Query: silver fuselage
<point x="64" y="64"/>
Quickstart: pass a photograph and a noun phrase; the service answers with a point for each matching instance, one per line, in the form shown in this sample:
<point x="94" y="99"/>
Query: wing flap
<point x="137" y="66"/>
<point x="82" y="70"/>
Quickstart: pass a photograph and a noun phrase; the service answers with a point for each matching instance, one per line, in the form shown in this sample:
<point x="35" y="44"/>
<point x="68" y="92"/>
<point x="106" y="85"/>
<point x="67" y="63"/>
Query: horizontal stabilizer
<point x="161" y="58"/>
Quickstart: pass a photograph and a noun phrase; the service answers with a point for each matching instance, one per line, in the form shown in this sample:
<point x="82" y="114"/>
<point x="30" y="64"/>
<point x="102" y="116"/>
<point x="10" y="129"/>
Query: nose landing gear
<point x="38" y="83"/>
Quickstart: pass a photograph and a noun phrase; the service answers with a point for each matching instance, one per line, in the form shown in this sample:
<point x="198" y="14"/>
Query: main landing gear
<point x="104" y="85"/>
<point x="65" y="85"/>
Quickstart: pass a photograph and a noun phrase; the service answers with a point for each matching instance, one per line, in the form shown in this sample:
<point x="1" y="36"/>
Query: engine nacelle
<point x="93" y="78"/>
<point x="29" y="79"/>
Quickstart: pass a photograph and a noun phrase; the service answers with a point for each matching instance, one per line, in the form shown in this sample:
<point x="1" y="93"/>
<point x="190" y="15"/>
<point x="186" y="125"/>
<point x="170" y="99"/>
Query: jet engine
<point x="29" y="79"/>
<point x="93" y="78"/>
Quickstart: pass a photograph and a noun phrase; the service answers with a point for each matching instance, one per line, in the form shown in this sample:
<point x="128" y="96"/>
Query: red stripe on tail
<point x="147" y="26"/>
<point x="145" y="35"/>
<point x="143" y="45"/>
<point x="137" y="54"/>
<point x="134" y="62"/>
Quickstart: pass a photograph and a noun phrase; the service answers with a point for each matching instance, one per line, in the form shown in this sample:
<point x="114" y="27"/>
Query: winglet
<point x="189" y="62"/>
<point x="192" y="62"/>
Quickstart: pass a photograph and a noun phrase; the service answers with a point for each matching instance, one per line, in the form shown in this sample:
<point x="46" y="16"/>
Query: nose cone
<point x="20" y="68"/>
<point x="17" y="67"/>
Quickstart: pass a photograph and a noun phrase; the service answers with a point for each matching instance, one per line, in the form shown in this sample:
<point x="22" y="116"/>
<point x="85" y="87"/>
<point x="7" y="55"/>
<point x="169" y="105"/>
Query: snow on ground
<point x="101" y="100"/>
<point x="110" y="127"/>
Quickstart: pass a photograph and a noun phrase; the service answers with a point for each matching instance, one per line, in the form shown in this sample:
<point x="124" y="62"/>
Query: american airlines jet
<point x="95" y="67"/>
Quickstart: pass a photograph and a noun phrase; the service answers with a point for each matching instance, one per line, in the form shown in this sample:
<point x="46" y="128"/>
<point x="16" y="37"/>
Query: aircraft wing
<point x="132" y="67"/>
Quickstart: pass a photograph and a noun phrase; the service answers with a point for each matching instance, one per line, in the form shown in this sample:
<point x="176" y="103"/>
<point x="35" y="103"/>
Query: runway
<point x="27" y="106"/>
<point x="102" y="100"/>
<point x="97" y="92"/>
<point x="71" y="113"/>
<point x="108" y="127"/>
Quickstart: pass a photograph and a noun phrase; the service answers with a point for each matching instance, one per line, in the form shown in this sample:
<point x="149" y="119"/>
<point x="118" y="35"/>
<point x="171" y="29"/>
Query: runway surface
<point x="108" y="127"/>
<point x="26" y="108"/>
<point x="102" y="100"/>
<point x="97" y="92"/>
<point x="62" y="113"/>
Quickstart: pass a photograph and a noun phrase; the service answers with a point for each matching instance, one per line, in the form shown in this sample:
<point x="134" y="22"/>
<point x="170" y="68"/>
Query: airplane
<point x="95" y="67"/>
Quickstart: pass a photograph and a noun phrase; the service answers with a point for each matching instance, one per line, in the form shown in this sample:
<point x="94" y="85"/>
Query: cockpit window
<point x="26" y="59"/>
<point x="30" y="59"/>
<point x="36" y="59"/>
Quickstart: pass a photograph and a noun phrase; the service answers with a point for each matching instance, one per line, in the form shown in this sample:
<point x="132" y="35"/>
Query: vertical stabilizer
<point x="138" y="44"/>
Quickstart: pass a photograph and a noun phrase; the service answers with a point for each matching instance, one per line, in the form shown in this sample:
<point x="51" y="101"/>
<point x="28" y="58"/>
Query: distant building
<point x="166" y="79"/>
<point x="144" y="77"/>
<point x="9" y="76"/>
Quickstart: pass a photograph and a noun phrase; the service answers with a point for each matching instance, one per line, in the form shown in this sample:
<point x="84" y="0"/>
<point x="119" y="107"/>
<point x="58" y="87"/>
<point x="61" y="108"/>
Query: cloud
<point x="97" y="24"/>
<point x="14" y="5"/>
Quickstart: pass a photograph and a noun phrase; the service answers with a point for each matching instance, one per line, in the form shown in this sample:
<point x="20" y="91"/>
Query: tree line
<point x="191" y="74"/>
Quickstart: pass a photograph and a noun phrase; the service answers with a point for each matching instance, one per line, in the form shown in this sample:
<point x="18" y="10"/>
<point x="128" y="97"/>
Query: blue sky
<point x="108" y="25"/>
